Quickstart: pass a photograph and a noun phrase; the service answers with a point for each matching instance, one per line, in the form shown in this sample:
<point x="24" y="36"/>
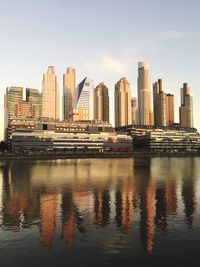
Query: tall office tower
<point x="155" y="94"/>
<point x="186" y="108"/>
<point x="134" y="110"/>
<point x="169" y="109"/>
<point x="101" y="103"/>
<point x="84" y="101"/>
<point x="144" y="95"/>
<point x="34" y="98"/>
<point x="69" y="91"/>
<point x="122" y="103"/>
<point x="12" y="99"/>
<point x="50" y="95"/>
<point x="159" y="100"/>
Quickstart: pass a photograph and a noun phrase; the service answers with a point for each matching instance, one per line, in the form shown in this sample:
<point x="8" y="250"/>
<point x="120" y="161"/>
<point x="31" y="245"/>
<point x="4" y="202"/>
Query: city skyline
<point x="170" y="46"/>
<point x="154" y="107"/>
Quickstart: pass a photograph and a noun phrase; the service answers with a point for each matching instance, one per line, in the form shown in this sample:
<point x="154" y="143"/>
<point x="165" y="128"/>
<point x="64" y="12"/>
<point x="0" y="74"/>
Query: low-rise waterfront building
<point x="163" y="138"/>
<point x="50" y="135"/>
<point x="49" y="140"/>
<point x="168" y="141"/>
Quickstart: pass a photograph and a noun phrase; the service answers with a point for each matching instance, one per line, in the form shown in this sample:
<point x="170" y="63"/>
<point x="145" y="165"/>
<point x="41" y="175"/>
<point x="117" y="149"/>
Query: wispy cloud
<point x="114" y="65"/>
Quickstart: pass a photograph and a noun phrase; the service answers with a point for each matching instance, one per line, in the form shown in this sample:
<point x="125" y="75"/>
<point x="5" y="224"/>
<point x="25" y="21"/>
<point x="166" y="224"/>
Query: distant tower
<point x="50" y="95"/>
<point x="122" y="103"/>
<point x="144" y="95"/>
<point x="69" y="91"/>
<point x="12" y="99"/>
<point x="101" y="103"/>
<point x="134" y="110"/>
<point x="84" y="100"/>
<point x="34" y="98"/>
<point x="169" y="109"/>
<point x="159" y="100"/>
<point x="186" y="108"/>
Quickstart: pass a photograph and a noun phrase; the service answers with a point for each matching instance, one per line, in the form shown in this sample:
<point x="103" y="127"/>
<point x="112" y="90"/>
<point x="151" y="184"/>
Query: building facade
<point x="144" y="95"/>
<point x="169" y="109"/>
<point x="69" y="91"/>
<point x="134" y="110"/>
<point x="12" y="99"/>
<point x="159" y="100"/>
<point x="50" y="95"/>
<point x="101" y="103"/>
<point x="186" y="108"/>
<point x="34" y="98"/>
<point x="84" y="101"/>
<point x="122" y="103"/>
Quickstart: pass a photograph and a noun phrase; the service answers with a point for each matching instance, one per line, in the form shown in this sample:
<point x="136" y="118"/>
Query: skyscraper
<point x="144" y="95"/>
<point x="159" y="101"/>
<point x="69" y="91"/>
<point x="186" y="108"/>
<point x="12" y="99"/>
<point x="122" y="103"/>
<point x="101" y="103"/>
<point x="169" y="109"/>
<point x="50" y="95"/>
<point x="84" y="100"/>
<point x="134" y="110"/>
<point x="34" y="98"/>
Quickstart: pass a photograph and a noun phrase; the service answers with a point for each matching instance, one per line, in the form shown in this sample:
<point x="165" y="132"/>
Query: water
<point x="102" y="212"/>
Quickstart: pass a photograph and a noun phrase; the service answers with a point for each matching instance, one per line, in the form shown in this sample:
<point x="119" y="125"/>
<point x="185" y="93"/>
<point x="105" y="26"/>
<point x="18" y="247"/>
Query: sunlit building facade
<point x="34" y="98"/>
<point x="69" y="91"/>
<point x="84" y="101"/>
<point x="101" y="103"/>
<point x="186" y="108"/>
<point x="50" y="95"/>
<point x="122" y="103"/>
<point x="144" y="95"/>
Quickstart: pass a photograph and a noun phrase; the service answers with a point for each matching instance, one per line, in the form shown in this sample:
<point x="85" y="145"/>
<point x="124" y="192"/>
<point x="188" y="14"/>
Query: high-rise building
<point x="34" y="98"/>
<point x="84" y="101"/>
<point x="159" y="101"/>
<point x="69" y="91"/>
<point x="12" y="99"/>
<point x="169" y="109"/>
<point x="186" y="108"/>
<point x="144" y="95"/>
<point x="122" y="103"/>
<point x="50" y="95"/>
<point x="101" y="103"/>
<point x="134" y="110"/>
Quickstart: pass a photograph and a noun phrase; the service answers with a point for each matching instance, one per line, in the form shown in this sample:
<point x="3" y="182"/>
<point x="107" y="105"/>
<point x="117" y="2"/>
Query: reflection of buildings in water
<point x="68" y="218"/>
<point x="124" y="206"/>
<point x="188" y="189"/>
<point x="172" y="199"/>
<point x="48" y="217"/>
<point x="101" y="207"/>
<point x="161" y="208"/>
<point x="147" y="206"/>
<point x="188" y="195"/>
<point x="19" y="204"/>
<point x="145" y="189"/>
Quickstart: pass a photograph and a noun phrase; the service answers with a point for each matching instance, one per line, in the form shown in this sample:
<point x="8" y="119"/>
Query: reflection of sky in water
<point x="109" y="205"/>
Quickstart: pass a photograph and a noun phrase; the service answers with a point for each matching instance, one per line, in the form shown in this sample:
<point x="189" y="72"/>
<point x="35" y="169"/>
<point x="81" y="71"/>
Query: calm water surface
<point x="103" y="212"/>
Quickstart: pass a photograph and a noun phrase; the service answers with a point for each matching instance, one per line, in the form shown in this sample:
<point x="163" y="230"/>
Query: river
<point x="102" y="212"/>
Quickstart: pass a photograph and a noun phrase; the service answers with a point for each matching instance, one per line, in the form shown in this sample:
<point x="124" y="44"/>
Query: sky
<point x="103" y="40"/>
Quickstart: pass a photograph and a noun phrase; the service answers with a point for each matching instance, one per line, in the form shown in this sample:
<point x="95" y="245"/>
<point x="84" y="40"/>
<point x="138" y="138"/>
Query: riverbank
<point x="46" y="156"/>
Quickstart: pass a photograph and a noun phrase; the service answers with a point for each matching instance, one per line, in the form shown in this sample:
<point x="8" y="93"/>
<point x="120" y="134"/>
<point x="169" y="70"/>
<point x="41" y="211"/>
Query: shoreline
<point x="45" y="156"/>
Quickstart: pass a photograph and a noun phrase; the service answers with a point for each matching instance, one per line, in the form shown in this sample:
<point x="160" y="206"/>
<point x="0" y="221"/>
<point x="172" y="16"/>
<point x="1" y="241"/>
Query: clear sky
<point x="103" y="40"/>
